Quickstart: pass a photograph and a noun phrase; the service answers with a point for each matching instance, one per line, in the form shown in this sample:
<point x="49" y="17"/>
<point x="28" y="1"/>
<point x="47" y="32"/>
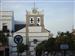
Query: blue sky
<point x="58" y="14"/>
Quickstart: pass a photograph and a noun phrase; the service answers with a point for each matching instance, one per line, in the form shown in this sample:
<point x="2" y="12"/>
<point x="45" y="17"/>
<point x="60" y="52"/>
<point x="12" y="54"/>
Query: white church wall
<point x="39" y="38"/>
<point x="32" y="33"/>
<point x="39" y="34"/>
<point x="21" y="30"/>
<point x="33" y="45"/>
<point x="19" y="33"/>
<point x="31" y="29"/>
<point x="24" y="40"/>
<point x="35" y="29"/>
<point x="13" y="45"/>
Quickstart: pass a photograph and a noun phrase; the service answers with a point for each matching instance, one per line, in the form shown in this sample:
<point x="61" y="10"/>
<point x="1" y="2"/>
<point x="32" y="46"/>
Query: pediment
<point x="22" y="30"/>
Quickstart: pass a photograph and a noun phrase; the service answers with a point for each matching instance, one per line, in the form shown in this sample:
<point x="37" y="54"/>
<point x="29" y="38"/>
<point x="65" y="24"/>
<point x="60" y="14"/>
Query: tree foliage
<point x="53" y="44"/>
<point x="41" y="48"/>
<point x="3" y="38"/>
<point x="21" y="48"/>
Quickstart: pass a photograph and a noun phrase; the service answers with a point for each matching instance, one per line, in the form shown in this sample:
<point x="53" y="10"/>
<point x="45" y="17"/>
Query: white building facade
<point x="7" y="20"/>
<point x="33" y="29"/>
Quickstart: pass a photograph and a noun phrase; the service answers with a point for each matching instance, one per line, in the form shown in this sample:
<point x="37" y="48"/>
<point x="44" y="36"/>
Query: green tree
<point x="41" y="48"/>
<point x="3" y="38"/>
<point x="53" y="44"/>
<point x="21" y="48"/>
<point x="44" y="46"/>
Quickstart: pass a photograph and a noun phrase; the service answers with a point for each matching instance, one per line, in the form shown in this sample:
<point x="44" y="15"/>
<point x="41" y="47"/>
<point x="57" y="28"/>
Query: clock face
<point x="34" y="11"/>
<point x="18" y="39"/>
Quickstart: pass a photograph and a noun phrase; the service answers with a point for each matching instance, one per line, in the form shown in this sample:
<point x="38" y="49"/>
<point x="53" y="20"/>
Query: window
<point x="4" y="27"/>
<point x="31" y="20"/>
<point x="38" y="21"/>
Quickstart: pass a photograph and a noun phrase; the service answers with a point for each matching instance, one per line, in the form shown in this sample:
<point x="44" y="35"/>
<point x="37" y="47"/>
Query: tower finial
<point x="34" y="8"/>
<point x="34" y="4"/>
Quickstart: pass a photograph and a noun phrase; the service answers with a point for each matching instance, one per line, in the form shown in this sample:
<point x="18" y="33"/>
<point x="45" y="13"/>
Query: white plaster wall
<point x="35" y="29"/>
<point x="8" y="18"/>
<point x="6" y="13"/>
<point x="22" y="30"/>
<point x="32" y="36"/>
<point x="8" y="23"/>
<point x="12" y="45"/>
<point x="36" y="34"/>
<point x="40" y="36"/>
<point x="19" y="33"/>
<point x="32" y="45"/>
<point x="31" y="29"/>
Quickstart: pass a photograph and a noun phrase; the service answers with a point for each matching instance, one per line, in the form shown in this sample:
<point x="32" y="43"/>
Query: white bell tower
<point x="35" y="18"/>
